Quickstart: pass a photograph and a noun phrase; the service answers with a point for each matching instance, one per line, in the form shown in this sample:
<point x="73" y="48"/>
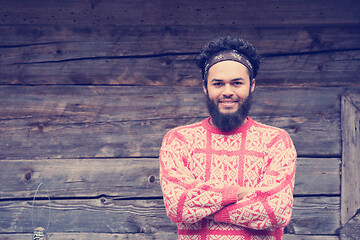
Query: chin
<point x="227" y="111"/>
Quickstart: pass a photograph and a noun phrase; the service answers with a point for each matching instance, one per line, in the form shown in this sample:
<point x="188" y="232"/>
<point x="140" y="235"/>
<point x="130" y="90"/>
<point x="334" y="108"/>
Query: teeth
<point x="228" y="103"/>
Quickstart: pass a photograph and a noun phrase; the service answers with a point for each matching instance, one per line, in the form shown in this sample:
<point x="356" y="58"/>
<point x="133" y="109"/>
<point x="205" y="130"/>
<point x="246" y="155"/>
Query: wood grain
<point x="87" y="43"/>
<point x="322" y="216"/>
<point x="322" y="69"/>
<point x="130" y="178"/>
<point x="61" y="41"/>
<point x="34" y="140"/>
<point x="140" y="236"/>
<point x="313" y="215"/>
<point x="96" y="236"/>
<point x="317" y="176"/>
<point x="66" y="104"/>
<point x="82" y="121"/>
<point x="177" y="12"/>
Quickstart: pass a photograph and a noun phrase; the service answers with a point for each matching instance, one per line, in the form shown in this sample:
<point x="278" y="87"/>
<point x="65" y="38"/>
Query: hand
<point x="243" y="191"/>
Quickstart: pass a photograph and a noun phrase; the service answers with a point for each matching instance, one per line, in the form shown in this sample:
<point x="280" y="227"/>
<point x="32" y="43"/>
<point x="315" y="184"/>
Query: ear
<point x="252" y="85"/>
<point x="204" y="87"/>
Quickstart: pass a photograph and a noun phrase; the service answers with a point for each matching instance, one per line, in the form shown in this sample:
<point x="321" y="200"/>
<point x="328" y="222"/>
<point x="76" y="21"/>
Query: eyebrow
<point x="232" y="80"/>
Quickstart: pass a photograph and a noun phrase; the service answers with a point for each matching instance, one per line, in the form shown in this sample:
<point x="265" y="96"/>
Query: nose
<point x="227" y="92"/>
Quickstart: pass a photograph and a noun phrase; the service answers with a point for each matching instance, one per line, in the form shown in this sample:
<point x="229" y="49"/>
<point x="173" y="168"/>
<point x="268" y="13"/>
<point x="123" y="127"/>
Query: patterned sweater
<point x="199" y="167"/>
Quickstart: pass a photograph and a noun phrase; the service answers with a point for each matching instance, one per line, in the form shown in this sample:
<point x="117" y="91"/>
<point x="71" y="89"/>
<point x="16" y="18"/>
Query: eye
<point x="217" y="83"/>
<point x="237" y="83"/>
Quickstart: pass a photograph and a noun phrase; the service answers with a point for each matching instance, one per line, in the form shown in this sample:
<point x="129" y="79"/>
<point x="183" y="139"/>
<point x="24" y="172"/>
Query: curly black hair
<point x="229" y="43"/>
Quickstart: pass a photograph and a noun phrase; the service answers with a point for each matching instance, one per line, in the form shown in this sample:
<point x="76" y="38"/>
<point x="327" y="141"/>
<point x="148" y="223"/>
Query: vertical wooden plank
<point x="350" y="120"/>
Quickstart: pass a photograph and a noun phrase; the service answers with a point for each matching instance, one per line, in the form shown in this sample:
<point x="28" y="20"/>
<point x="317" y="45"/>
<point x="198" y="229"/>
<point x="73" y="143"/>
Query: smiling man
<point x="228" y="176"/>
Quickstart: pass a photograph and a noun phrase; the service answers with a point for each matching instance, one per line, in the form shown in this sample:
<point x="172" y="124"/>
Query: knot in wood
<point x="152" y="179"/>
<point x="28" y="175"/>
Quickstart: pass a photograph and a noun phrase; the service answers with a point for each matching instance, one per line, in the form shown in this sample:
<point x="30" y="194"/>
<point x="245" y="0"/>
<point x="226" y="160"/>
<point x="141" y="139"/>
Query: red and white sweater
<point x="199" y="167"/>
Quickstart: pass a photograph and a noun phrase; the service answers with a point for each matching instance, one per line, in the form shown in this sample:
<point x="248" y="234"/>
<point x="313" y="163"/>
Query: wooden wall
<point x="89" y="88"/>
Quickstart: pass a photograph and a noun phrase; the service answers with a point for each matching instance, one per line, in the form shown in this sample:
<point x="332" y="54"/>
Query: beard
<point x="230" y="121"/>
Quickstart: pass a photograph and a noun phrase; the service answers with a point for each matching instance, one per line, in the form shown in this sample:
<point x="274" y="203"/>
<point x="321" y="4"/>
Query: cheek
<point x="212" y="93"/>
<point x="243" y="93"/>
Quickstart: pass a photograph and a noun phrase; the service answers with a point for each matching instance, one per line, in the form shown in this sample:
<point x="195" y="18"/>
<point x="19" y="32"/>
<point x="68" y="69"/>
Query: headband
<point x="231" y="55"/>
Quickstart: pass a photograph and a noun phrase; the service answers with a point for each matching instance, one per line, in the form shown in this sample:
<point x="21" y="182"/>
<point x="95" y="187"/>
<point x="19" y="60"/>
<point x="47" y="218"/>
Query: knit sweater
<point x="200" y="167"/>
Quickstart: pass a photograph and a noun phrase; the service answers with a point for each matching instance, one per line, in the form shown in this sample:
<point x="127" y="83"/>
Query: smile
<point x="228" y="102"/>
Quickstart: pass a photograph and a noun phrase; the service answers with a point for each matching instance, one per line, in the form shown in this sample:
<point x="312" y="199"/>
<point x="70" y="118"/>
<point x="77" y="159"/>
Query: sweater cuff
<point x="222" y="216"/>
<point x="229" y="195"/>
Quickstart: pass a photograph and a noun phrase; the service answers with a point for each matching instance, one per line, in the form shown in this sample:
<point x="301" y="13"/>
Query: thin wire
<point x="32" y="208"/>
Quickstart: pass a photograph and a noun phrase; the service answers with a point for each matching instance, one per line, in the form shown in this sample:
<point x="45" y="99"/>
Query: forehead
<point x="228" y="70"/>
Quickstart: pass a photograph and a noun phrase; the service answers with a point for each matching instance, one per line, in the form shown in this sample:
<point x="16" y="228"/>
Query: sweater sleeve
<point x="186" y="199"/>
<point x="271" y="203"/>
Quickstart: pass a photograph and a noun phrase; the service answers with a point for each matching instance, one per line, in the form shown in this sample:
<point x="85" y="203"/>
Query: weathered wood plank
<point x="42" y="138"/>
<point x="130" y="178"/>
<point x="143" y="236"/>
<point x="63" y="104"/>
<point x="178" y="12"/>
<point x="80" y="121"/>
<point x="350" y="178"/>
<point x="322" y="69"/>
<point x="105" y="236"/>
<point x="126" y="178"/>
<point x="140" y="236"/>
<point x="317" y="176"/>
<point x="41" y="43"/>
<point x="310" y="237"/>
<point x="351" y="230"/>
<point x="313" y="215"/>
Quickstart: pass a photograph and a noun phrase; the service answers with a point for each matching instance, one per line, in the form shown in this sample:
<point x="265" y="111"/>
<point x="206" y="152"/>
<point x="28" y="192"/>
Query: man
<point x="228" y="176"/>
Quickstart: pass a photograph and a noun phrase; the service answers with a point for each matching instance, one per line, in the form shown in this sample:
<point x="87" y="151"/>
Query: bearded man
<point x="228" y="176"/>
